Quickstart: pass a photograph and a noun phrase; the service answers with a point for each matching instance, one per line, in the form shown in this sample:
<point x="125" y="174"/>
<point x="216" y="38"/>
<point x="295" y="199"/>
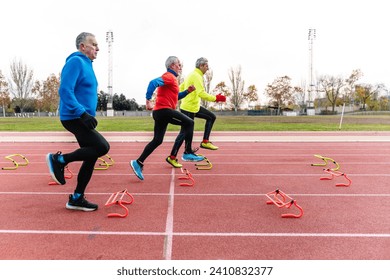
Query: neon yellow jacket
<point x="191" y="102"/>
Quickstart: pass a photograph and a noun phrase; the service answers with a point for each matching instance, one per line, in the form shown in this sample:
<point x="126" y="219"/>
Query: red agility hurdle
<point x="278" y="198"/>
<point x="334" y="173"/>
<point x="117" y="199"/>
<point x="188" y="178"/>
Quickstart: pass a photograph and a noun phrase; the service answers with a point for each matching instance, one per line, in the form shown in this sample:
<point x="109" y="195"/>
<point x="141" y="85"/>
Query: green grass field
<point x="223" y="123"/>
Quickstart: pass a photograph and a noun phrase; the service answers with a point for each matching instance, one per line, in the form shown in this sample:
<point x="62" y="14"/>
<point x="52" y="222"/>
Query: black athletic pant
<point x="162" y="118"/>
<point x="205" y="114"/>
<point x="92" y="146"/>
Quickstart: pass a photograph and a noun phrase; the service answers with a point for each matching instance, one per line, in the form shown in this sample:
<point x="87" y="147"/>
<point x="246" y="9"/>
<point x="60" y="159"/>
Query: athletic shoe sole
<point x="208" y="148"/>
<point x="80" y="208"/>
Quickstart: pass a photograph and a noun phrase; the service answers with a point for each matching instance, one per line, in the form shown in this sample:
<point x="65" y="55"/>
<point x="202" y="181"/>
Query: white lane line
<point x="213" y="174"/>
<point x="169" y="223"/>
<point x="211" y="194"/>
<point x="199" y="234"/>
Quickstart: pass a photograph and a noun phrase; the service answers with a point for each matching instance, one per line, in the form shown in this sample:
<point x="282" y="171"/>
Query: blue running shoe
<point x="137" y="168"/>
<point x="192" y="157"/>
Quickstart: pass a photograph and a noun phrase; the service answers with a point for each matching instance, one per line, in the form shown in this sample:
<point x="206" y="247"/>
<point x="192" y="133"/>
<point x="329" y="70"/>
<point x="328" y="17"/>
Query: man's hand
<point x="149" y="105"/>
<point x="88" y="120"/>
<point x="191" y="89"/>
<point x="220" y="98"/>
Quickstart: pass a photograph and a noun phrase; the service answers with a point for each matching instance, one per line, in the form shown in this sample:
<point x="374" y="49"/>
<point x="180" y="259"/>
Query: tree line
<point x="21" y="93"/>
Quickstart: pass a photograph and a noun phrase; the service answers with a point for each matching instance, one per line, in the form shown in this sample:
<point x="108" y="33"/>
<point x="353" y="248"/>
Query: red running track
<point x="223" y="216"/>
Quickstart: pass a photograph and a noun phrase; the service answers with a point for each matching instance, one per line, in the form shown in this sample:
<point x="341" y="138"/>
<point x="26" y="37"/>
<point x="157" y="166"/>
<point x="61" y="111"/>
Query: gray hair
<point x="201" y="61"/>
<point x="170" y="60"/>
<point x="82" y="37"/>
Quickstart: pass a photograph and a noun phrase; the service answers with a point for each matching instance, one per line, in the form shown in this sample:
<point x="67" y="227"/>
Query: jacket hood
<point x="79" y="54"/>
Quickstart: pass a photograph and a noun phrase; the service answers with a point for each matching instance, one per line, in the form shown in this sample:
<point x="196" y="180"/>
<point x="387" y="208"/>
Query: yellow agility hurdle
<point x="325" y="162"/>
<point x="16" y="164"/>
<point x="105" y="165"/>
<point x="204" y="166"/>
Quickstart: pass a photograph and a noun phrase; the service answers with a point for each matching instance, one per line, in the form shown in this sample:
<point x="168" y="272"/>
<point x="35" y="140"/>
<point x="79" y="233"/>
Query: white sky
<point x="268" y="39"/>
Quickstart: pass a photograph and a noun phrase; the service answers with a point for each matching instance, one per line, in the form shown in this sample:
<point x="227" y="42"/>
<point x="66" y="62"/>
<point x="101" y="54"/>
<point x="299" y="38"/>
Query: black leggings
<point x="162" y="118"/>
<point x="205" y="114"/>
<point x="92" y="146"/>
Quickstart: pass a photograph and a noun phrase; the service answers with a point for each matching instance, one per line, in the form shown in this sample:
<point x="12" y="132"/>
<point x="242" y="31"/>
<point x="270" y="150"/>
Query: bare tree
<point x="332" y="87"/>
<point x="237" y="87"/>
<point x="299" y="97"/>
<point x="207" y="78"/>
<point x="5" y="100"/>
<point x="21" y="82"/>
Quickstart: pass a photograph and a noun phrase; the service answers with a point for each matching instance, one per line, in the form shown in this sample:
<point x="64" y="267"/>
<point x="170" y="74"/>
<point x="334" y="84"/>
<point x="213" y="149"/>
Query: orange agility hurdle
<point x="278" y="198"/>
<point x="188" y="177"/>
<point x="334" y="173"/>
<point x="117" y="198"/>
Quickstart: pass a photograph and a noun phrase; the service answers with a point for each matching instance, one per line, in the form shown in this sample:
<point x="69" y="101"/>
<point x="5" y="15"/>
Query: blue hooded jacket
<point x="78" y="88"/>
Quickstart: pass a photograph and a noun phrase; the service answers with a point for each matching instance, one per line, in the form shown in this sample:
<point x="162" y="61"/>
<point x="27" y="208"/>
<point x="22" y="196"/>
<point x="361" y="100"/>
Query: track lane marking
<point x="212" y="234"/>
<point x="169" y="223"/>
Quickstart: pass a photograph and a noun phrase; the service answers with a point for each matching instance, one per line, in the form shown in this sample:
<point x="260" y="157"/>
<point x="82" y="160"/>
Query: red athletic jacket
<point x="167" y="91"/>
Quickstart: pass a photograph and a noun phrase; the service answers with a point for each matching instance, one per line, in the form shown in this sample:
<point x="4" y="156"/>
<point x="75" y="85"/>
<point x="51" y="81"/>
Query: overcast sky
<point x="268" y="39"/>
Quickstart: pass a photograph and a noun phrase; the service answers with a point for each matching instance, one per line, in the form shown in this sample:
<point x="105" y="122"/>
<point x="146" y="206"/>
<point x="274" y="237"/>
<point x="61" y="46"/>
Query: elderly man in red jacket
<point x="164" y="112"/>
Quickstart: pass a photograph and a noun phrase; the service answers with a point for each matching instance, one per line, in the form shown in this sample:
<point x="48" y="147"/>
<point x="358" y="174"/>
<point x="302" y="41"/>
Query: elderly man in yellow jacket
<point x="190" y="105"/>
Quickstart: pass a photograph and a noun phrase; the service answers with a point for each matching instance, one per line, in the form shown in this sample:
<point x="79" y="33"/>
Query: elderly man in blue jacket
<point x="78" y="102"/>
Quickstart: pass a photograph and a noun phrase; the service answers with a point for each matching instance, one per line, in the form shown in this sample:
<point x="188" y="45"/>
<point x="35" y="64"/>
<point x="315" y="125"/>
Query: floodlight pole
<point x="311" y="90"/>
<point x="110" y="40"/>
